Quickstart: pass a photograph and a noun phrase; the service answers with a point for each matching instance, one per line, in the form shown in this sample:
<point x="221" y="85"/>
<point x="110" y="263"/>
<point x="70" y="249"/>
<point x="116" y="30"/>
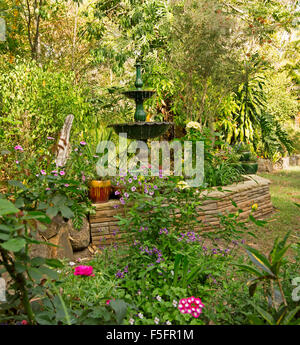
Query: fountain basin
<point x="142" y="130"/>
<point x="139" y="95"/>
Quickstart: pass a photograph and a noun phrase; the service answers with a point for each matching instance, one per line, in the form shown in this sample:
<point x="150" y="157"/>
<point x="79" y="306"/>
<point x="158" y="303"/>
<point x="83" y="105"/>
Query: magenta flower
<point x="18" y="148"/>
<point x="191" y="305"/>
<point x="62" y="173"/>
<point x="17" y="162"/>
<point x="84" y="271"/>
<point x="107" y="302"/>
<point x="43" y="172"/>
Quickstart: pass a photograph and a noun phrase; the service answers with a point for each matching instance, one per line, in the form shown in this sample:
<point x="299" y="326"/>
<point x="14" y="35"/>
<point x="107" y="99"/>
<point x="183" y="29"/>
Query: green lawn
<point x="285" y="192"/>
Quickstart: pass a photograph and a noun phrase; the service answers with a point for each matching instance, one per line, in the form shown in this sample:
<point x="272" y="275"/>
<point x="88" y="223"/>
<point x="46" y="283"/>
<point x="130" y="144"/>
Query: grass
<point x="285" y="192"/>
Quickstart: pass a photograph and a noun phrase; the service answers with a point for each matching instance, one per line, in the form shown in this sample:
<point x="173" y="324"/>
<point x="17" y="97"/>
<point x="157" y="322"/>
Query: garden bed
<point x="253" y="190"/>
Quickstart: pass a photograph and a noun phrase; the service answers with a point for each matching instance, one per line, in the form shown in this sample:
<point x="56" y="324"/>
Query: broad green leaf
<point x="7" y="207"/>
<point x="249" y="269"/>
<point x="14" y="245"/>
<point x="55" y="263"/>
<point x="40" y="216"/>
<point x="268" y="317"/>
<point x="120" y="308"/>
<point x="252" y="289"/>
<point x="4" y="237"/>
<point x="52" y="211"/>
<point x="66" y="211"/>
<point x="289" y="317"/>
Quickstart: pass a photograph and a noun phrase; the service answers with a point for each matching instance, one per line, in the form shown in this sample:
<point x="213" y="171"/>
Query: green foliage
<point x="268" y="271"/>
<point x="35" y="102"/>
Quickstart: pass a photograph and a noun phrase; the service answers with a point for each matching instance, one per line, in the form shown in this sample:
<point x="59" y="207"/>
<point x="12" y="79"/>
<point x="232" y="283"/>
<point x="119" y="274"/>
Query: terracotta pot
<point x="99" y="191"/>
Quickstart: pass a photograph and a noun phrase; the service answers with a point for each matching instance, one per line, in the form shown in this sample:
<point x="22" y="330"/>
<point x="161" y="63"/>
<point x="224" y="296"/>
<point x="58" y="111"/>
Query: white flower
<point x="158" y="298"/>
<point x="140" y="315"/>
<point x="131" y="321"/>
<point x="71" y="263"/>
<point x="193" y="124"/>
<point x="182" y="185"/>
<point x="174" y="303"/>
<point x="168" y="323"/>
<point x="156" y="320"/>
<point x="58" y="271"/>
<point x="172" y="272"/>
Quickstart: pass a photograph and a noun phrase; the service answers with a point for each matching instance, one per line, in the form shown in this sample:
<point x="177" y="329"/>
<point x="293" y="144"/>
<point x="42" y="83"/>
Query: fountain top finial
<point x="138" y="82"/>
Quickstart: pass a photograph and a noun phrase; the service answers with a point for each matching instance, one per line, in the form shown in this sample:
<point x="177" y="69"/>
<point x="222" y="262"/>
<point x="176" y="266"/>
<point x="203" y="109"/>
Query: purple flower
<point x="50" y="138"/>
<point x="155" y="187"/>
<point x="133" y="189"/>
<point x="130" y="180"/>
<point x="126" y="195"/>
<point x="122" y="201"/>
<point x="117" y="192"/>
<point x="135" y="177"/>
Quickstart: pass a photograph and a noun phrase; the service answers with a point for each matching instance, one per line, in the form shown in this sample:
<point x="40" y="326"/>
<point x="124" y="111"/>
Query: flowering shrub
<point x="44" y="186"/>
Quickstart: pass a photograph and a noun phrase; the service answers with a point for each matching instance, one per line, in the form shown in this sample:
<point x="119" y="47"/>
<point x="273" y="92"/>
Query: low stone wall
<point x="254" y="190"/>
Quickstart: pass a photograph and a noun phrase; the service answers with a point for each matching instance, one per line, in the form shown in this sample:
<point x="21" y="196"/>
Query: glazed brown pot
<point x="99" y="191"/>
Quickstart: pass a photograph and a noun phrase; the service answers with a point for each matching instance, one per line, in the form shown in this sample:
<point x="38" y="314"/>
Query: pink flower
<point x="84" y="271"/>
<point x="83" y="178"/>
<point x="18" y="148"/>
<point x="50" y="138"/>
<point x="66" y="185"/>
<point x="24" y="322"/>
<point x="191" y="305"/>
<point x="48" y="188"/>
<point x="61" y="173"/>
<point x="83" y="143"/>
<point x="43" y="172"/>
<point x="17" y="162"/>
<point x="107" y="302"/>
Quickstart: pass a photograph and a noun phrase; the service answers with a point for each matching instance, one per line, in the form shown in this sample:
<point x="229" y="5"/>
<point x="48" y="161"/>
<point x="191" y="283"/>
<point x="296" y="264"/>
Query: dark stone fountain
<point x="140" y="129"/>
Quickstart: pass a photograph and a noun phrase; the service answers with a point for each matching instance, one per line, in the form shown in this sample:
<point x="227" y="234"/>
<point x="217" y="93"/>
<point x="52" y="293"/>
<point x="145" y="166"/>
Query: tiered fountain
<point x="140" y="129"/>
